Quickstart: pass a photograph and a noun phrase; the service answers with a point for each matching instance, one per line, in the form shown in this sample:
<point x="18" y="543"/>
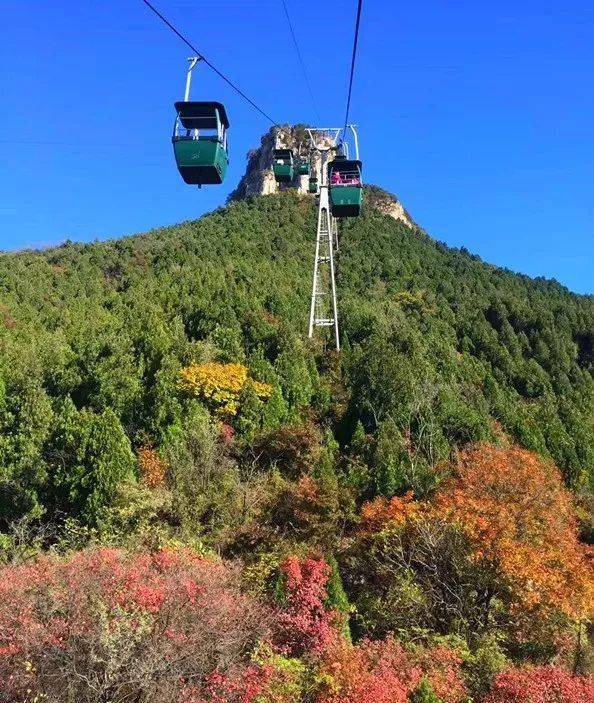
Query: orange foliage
<point x="513" y="507"/>
<point x="519" y="517"/>
<point x="381" y="511"/>
<point x="221" y="385"/>
<point x="6" y="317"/>
<point x="151" y="467"/>
<point x="382" y="671"/>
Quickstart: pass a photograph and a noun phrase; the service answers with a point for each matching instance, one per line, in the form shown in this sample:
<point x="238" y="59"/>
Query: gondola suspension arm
<point x="193" y="60"/>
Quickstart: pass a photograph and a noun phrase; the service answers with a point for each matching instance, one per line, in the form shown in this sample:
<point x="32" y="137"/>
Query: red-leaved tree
<point x="305" y="625"/>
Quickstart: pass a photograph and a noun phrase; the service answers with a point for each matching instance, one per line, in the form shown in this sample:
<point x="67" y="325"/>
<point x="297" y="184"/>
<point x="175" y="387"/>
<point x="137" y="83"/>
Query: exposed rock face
<point x="388" y="204"/>
<point x="259" y="179"/>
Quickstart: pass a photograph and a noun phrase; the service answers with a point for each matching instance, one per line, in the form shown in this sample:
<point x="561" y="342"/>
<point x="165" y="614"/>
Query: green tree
<point x="424" y="693"/>
<point x="88" y="457"/>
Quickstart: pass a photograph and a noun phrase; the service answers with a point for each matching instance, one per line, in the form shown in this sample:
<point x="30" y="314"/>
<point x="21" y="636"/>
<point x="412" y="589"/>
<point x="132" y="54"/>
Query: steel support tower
<point x="323" y="311"/>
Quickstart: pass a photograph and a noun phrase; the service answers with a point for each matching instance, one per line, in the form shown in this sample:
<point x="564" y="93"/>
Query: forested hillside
<point x="409" y="519"/>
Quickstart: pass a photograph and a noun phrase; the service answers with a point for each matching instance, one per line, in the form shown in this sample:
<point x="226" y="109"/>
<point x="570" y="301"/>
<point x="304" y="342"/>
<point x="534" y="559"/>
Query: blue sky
<point x="479" y="116"/>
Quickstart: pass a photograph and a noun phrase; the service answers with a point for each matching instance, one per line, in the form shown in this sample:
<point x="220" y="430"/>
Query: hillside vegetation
<point x="408" y="520"/>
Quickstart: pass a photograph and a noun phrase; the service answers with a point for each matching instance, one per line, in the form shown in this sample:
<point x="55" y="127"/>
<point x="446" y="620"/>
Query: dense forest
<point x="199" y="504"/>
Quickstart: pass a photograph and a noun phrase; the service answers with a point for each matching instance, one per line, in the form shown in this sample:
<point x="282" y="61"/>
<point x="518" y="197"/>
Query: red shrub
<point x="226" y="433"/>
<point x="236" y="686"/>
<point x="372" y="672"/>
<point x="103" y="625"/>
<point x="305" y="624"/>
<point x="542" y="684"/>
<point x="384" y="672"/>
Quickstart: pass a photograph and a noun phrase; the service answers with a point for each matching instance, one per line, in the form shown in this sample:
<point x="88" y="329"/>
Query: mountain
<point x="418" y="502"/>
<point x="488" y="350"/>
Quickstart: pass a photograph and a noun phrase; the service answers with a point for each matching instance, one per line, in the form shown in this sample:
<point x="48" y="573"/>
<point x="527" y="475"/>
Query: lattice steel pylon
<point x="323" y="311"/>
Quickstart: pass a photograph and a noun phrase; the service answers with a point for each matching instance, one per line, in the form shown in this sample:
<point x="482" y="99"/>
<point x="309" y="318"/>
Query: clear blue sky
<point x="479" y="116"/>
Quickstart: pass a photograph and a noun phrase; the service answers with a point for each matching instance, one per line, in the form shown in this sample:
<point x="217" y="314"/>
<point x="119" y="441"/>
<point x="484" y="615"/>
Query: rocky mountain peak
<point x="258" y="178"/>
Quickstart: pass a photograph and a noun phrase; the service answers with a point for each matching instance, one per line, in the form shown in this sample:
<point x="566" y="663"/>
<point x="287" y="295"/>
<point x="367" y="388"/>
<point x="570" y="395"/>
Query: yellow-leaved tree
<point x="221" y="385"/>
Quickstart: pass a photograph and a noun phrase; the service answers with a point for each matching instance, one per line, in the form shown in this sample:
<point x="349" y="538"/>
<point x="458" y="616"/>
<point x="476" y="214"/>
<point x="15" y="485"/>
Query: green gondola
<point x="202" y="159"/>
<point x="283" y="165"/>
<point x="303" y="167"/>
<point x="313" y="185"/>
<point x="346" y="187"/>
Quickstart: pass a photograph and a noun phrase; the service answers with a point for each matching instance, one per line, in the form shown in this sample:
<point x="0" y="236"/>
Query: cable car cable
<point x="201" y="57"/>
<point x="355" y="42"/>
<point x="301" y="61"/>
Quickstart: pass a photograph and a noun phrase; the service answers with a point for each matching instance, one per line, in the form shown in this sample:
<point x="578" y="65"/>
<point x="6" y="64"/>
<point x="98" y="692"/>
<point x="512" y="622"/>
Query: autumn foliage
<point x="151" y="466"/>
<point x="542" y="684"/>
<point x="520" y="518"/>
<point x="103" y="625"/>
<point x="368" y="672"/>
<point x="221" y="385"/>
<point x="384" y="672"/>
<point x="174" y="626"/>
<point x="305" y="624"/>
<point x="380" y="512"/>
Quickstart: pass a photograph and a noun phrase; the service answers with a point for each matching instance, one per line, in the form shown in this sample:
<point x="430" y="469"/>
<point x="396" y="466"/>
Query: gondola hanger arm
<point x="193" y="60"/>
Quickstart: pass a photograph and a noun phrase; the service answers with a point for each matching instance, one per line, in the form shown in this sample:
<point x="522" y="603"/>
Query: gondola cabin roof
<point x="283" y="153"/>
<point x="201" y="115"/>
<point x="347" y="165"/>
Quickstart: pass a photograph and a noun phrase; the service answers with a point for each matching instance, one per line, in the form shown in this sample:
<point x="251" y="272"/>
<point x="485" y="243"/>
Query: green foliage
<point x="483" y="664"/>
<point x="337" y="597"/>
<point x="439" y="349"/>
<point x="424" y="693"/>
<point x="88" y="455"/>
<point x="295" y="375"/>
<point x="289" y="681"/>
<point x="137" y="514"/>
<point x="203" y="480"/>
<point x="25" y="419"/>
<point x="443" y="345"/>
